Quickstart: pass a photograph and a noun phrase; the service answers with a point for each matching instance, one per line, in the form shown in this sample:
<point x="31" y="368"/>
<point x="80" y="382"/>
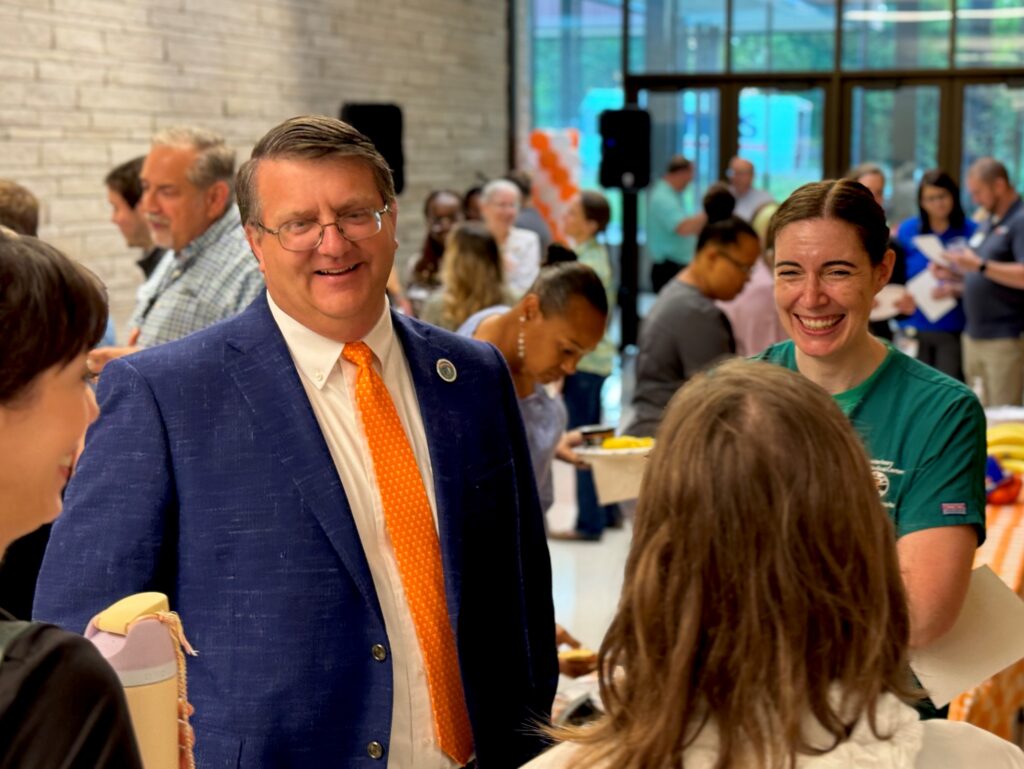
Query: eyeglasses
<point x="744" y="268"/>
<point x="305" y="235"/>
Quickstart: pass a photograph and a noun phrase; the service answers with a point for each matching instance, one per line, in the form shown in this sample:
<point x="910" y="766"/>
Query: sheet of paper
<point x="920" y="287"/>
<point x="988" y="637"/>
<point x="617" y="477"/>
<point x="932" y="247"/>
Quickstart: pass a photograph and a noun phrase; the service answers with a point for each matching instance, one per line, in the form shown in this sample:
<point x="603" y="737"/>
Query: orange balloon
<point x="548" y="160"/>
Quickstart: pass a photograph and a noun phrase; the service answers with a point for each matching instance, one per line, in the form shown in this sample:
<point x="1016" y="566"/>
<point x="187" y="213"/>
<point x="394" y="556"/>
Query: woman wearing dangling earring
<point x="542" y="338"/>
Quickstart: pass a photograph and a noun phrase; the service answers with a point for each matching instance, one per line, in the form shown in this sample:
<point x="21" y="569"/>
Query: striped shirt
<point x="214" y="277"/>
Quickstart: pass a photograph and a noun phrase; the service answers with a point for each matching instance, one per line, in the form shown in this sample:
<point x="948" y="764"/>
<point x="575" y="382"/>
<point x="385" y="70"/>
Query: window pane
<point x="684" y="123"/>
<point x="577" y="74"/>
<point x="994" y="127"/>
<point x="677" y="36"/>
<point x="897" y="129"/>
<point x="773" y="36"/>
<point x="780" y="132"/>
<point x="989" y="33"/>
<point x="909" y="34"/>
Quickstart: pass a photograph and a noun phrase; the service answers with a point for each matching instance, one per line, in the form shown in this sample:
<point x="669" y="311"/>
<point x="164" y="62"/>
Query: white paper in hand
<point x="921" y="287"/>
<point x="988" y="637"/>
<point x="932" y="247"/>
<point x="886" y="301"/>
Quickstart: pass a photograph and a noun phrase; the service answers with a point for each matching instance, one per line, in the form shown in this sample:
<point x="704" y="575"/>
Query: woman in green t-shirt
<point x="924" y="431"/>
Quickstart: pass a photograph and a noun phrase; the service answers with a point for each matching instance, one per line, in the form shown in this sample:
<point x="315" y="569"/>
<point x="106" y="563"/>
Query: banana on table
<point x="1006" y="443"/>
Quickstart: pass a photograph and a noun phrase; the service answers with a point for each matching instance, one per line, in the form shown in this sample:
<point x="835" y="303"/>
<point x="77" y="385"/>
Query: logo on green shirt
<point x="881" y="469"/>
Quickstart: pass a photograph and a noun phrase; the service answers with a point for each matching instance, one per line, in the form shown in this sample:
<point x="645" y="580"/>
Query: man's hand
<point x="101" y="356"/>
<point x="964" y="260"/>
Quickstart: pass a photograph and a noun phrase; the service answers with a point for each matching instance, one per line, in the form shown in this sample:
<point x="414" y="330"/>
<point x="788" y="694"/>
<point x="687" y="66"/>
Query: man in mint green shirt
<point x="670" y="232"/>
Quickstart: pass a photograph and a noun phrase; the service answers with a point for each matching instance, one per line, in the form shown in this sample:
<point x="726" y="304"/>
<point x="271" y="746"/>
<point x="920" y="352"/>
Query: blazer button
<point x="375" y="750"/>
<point x="379" y="652"/>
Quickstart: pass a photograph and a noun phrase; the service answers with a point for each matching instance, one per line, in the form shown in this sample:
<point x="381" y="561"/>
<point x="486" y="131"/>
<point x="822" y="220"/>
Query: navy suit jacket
<point x="207" y="477"/>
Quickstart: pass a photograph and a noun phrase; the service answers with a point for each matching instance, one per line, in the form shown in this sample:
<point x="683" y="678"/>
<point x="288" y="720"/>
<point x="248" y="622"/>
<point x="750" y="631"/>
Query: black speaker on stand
<point x="382" y="124"/>
<point x="626" y="164"/>
<point x="625" y="148"/>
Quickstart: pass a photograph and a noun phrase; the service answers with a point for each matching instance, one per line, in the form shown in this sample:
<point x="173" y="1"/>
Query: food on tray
<point x="593" y="435"/>
<point x="627" y="442"/>
<point x="577" y="654"/>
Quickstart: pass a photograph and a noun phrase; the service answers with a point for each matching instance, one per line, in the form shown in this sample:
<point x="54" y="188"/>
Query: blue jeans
<point x="582" y="395"/>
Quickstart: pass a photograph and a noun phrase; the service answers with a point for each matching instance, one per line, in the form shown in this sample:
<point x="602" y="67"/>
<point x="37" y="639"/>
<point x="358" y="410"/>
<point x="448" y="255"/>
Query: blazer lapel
<point x="443" y="428"/>
<point x="261" y="367"/>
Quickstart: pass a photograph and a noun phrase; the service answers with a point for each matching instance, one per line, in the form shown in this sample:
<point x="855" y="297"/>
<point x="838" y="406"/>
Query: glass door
<point x="780" y="132"/>
<point x="993" y="126"/>
<point x="683" y="123"/>
<point x="895" y="126"/>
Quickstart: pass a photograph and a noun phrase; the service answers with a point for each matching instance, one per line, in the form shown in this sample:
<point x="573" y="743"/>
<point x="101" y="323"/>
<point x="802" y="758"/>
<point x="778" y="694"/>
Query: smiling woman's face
<point x="40" y="435"/>
<point x="825" y="285"/>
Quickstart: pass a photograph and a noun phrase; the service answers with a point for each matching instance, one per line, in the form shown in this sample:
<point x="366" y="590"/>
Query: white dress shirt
<point x="329" y="381"/>
<point x="521" y="259"/>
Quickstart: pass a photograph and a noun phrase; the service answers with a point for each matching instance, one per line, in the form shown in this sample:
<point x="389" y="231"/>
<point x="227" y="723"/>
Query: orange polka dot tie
<point x="410" y="525"/>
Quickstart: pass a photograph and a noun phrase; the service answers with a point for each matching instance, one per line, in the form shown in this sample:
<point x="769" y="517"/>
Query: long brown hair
<point x="471" y="273"/>
<point x="762" y="580"/>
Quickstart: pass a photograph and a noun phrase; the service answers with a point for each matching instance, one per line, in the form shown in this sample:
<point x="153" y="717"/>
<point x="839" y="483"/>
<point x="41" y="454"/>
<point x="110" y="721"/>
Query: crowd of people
<point x="338" y="469"/>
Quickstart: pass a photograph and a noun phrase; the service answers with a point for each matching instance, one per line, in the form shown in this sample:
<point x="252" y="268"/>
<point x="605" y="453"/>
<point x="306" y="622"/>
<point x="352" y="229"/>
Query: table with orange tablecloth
<point x="993" y="705"/>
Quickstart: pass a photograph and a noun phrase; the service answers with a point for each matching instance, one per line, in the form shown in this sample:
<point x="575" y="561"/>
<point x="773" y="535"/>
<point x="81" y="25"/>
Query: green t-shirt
<point x="925" y="435"/>
<point x="664" y="212"/>
<point x="602" y="359"/>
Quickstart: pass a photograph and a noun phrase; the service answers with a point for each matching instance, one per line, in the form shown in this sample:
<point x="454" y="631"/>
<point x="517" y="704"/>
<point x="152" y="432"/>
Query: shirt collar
<point x="316" y="356"/>
<point x="229" y="219"/>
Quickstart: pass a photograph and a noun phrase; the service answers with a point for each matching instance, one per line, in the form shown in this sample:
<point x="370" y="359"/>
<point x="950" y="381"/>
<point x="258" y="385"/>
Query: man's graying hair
<point x="215" y="161"/>
<point x="310" y="137"/>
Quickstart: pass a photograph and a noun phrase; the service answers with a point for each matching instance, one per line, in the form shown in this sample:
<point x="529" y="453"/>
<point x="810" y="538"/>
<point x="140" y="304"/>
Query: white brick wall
<point x="85" y="83"/>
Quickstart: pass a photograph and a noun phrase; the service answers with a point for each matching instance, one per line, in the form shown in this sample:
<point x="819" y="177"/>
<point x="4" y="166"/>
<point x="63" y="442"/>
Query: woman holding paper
<point x="924" y="431"/>
<point x="943" y="223"/>
<point x="762" y="622"/>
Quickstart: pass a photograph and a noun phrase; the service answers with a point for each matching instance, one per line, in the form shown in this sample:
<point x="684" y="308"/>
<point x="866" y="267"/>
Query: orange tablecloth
<point x="994" y="704"/>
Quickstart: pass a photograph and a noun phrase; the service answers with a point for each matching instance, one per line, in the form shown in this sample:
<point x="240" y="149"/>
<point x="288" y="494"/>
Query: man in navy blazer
<point x="225" y="472"/>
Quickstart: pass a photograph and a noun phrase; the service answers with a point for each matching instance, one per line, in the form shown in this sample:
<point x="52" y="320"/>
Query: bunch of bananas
<point x="1006" y="443"/>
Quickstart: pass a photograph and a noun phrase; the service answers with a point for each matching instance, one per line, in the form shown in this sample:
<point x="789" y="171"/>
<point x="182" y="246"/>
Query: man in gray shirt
<point x="993" y="268"/>
<point x="208" y="273"/>
<point x="685" y="332"/>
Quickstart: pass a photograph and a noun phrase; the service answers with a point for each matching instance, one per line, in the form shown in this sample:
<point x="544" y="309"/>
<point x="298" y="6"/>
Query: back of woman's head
<point x="762" y="578"/>
<point x="718" y="202"/>
<point x="936" y="177"/>
<point x="471" y="272"/>
<point x="51" y="311"/>
<point x="558" y="284"/>
<point x="723" y="228"/>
